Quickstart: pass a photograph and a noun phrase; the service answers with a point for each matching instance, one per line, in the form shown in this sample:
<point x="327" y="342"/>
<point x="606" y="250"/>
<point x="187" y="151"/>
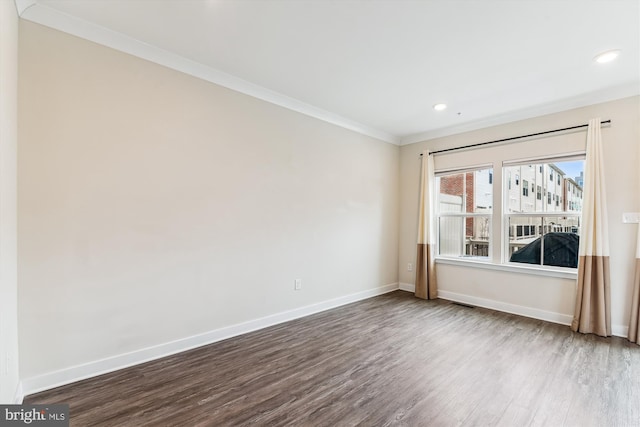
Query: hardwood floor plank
<point x="392" y="360"/>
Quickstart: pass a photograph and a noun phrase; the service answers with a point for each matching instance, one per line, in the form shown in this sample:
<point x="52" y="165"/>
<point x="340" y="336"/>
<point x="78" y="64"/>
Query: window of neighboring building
<point x="545" y="233"/>
<point x="464" y="209"/>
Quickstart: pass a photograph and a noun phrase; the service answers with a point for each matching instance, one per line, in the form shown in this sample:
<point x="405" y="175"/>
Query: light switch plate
<point x="631" y="218"/>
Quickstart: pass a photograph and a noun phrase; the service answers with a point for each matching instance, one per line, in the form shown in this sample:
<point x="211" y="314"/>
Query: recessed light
<point x="439" y="107"/>
<point x="607" y="56"/>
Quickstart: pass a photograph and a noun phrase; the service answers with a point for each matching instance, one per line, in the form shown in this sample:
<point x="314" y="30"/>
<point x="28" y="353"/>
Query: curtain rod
<point x="514" y="138"/>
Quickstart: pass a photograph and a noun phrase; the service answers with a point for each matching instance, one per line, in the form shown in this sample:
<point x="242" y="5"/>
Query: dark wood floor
<point x="389" y="360"/>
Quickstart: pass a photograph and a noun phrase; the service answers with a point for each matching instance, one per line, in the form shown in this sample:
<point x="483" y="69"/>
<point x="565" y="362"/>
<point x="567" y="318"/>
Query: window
<point x="541" y="230"/>
<point x="546" y="234"/>
<point x="464" y="211"/>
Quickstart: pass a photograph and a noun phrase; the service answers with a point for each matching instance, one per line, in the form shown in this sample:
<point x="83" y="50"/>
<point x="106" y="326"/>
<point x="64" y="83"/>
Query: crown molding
<point x="605" y="95"/>
<point x="32" y="10"/>
<point x="22" y="5"/>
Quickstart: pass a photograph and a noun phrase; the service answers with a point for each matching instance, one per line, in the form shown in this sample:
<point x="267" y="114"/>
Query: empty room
<point x="319" y="213"/>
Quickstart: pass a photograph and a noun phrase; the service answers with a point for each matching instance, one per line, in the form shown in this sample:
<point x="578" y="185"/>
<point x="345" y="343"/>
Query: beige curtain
<point x="634" y="324"/>
<point x="426" y="286"/>
<point x="593" y="300"/>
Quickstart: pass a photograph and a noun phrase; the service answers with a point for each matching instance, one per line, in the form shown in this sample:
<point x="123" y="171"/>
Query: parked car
<point x="560" y="250"/>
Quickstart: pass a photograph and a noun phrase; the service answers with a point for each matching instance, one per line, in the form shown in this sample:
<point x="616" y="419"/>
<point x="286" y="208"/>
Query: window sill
<point x="473" y="262"/>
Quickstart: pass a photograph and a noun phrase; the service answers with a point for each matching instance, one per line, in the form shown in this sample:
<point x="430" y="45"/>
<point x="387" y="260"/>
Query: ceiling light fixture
<point x="607" y="56"/>
<point x="439" y="107"/>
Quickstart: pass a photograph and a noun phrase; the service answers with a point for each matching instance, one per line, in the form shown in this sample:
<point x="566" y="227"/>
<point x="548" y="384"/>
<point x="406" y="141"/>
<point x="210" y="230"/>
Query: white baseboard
<point x="91" y="369"/>
<point x="497" y="305"/>
<point x="535" y="313"/>
<point x="520" y="310"/>
<point x="409" y="287"/>
<point x="19" y="396"/>
<point x="620" y="331"/>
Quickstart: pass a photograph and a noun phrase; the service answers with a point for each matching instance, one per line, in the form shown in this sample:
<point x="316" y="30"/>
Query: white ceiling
<point x="378" y="67"/>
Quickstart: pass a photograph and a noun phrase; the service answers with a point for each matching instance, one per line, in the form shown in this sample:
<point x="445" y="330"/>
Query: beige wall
<point x="155" y="206"/>
<point x="8" y="143"/>
<point x="526" y="293"/>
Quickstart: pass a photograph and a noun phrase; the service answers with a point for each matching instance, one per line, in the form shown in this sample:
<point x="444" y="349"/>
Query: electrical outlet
<point x="410" y="267"/>
<point x="297" y="284"/>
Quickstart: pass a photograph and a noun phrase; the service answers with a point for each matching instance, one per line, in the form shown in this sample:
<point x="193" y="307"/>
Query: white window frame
<point x="555" y="214"/>
<point x="498" y="227"/>
<point x="464" y="215"/>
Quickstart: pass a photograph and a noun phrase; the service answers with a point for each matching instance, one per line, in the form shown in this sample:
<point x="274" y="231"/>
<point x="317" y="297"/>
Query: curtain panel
<point x="593" y="300"/>
<point x="634" y="324"/>
<point x="426" y="286"/>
